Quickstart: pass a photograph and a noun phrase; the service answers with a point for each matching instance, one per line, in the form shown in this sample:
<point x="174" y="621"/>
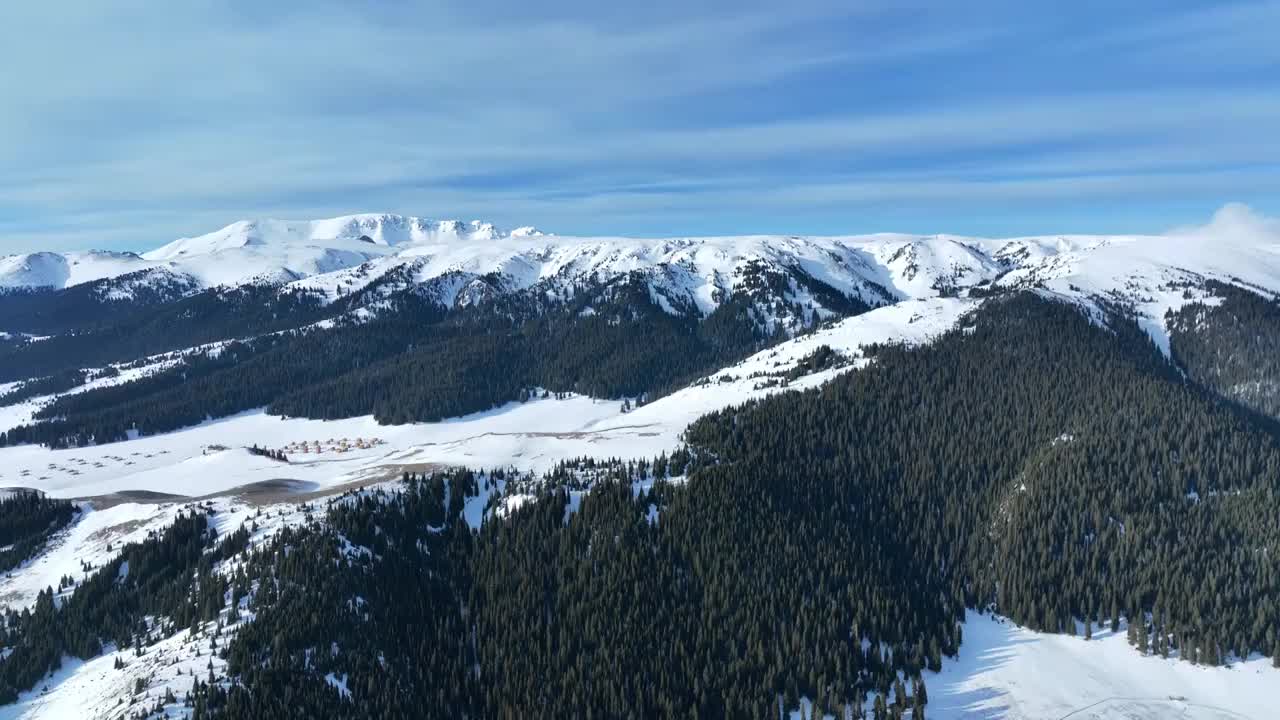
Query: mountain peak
<point x="385" y="229"/>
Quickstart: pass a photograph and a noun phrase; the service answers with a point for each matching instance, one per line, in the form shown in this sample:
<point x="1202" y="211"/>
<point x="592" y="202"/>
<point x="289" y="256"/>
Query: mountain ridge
<point x="261" y="250"/>
<point x="1010" y="425"/>
<point x="363" y="260"/>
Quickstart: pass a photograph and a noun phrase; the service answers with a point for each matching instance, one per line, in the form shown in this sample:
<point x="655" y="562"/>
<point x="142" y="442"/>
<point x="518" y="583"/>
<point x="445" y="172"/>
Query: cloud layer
<point x="131" y="123"/>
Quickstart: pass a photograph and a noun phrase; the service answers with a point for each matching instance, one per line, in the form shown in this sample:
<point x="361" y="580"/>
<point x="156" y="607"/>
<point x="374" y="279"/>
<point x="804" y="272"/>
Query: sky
<point x="129" y="123"/>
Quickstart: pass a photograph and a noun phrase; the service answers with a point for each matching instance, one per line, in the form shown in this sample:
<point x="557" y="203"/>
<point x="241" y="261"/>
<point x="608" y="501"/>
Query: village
<point x="304" y="447"/>
<point x="332" y="445"/>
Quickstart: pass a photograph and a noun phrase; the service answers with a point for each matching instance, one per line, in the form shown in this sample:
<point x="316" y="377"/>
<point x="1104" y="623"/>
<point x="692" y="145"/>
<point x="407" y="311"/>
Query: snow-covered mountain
<point x="59" y="270"/>
<point x="253" y="251"/>
<point x="384" y="230"/>
<point x="791" y="279"/>
<point x="344" y="255"/>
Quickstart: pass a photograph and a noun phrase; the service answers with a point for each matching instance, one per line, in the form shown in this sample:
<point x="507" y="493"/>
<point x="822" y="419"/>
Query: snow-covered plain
<point x="212" y="457"/>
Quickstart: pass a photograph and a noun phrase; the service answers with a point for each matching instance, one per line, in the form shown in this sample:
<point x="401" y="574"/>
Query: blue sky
<point x="129" y="123"/>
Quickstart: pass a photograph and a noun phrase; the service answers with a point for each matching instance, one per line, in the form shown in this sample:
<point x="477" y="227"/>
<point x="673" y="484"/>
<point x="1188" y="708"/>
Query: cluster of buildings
<point x="334" y="445"/>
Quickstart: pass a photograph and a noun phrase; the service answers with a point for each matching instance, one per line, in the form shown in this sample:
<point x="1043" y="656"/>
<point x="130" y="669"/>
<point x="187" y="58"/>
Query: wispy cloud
<point x="133" y="122"/>
<point x="1237" y="222"/>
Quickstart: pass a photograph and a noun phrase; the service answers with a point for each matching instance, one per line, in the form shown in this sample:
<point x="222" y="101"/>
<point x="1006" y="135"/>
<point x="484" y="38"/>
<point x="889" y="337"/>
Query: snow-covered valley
<point x="212" y="458"/>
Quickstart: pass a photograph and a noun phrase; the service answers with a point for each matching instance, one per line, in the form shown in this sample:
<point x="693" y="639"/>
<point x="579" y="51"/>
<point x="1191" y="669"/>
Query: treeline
<point x="27" y="520"/>
<point x="48" y="385"/>
<point x="145" y="405"/>
<point x="123" y="330"/>
<point x="89" y="306"/>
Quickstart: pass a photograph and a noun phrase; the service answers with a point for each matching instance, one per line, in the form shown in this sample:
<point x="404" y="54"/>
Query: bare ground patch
<point x="268" y="492"/>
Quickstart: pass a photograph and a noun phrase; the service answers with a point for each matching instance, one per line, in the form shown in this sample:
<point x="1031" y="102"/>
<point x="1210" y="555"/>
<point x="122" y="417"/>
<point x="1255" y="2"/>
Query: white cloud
<point x="1237" y="223"/>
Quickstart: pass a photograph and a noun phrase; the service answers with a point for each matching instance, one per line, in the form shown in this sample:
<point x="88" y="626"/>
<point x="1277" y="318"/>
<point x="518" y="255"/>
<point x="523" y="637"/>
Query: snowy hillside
<point x="1008" y="672"/>
<point x="1156" y="274"/>
<point x="1005" y="671"/>
<point x="94" y="687"/>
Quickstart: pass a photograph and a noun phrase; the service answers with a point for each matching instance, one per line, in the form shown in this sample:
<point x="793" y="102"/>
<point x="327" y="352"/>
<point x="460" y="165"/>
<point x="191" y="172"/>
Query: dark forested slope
<point x="1032" y="461"/>
<point x="1232" y="345"/>
<point x="416" y="360"/>
<point x="821" y="544"/>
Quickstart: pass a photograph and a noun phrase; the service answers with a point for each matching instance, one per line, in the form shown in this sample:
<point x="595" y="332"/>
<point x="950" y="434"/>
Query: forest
<point x="1232" y="345"/>
<point x="87" y="327"/>
<point x="47" y="385"/>
<point x="829" y="549"/>
<point x="27" y="520"/>
<point x="823" y="544"/>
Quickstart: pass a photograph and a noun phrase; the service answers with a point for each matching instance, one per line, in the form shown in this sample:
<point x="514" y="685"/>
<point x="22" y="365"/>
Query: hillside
<point x="380" y="465"/>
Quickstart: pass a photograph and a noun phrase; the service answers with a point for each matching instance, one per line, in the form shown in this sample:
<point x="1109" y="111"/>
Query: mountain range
<point x="379" y="465"/>
<point x="344" y="256"/>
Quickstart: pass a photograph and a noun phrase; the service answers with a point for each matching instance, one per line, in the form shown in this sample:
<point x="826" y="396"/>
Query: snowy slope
<point x="1156" y="274"/>
<point x="23" y="413"/>
<point x="1011" y="673"/>
<point x="86" y="539"/>
<point x="1005" y="671"/>
<point x="95" y="688"/>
